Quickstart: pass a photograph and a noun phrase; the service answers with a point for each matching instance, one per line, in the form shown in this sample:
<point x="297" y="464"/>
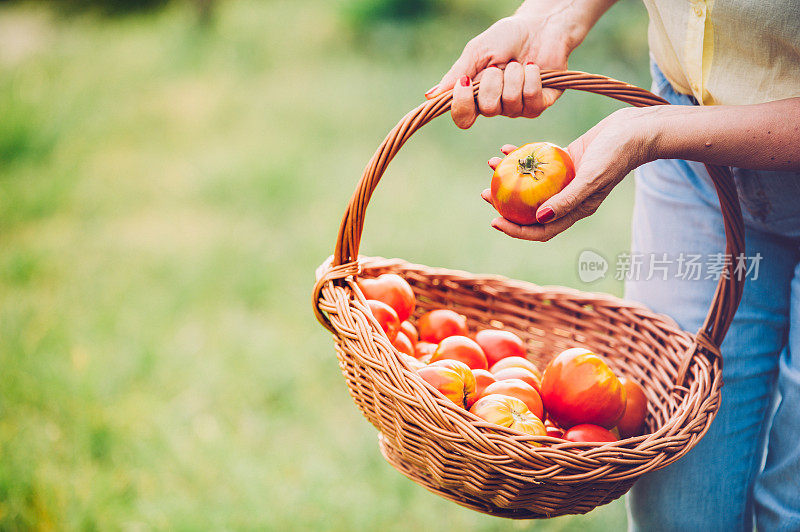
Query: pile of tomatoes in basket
<point x="577" y="397"/>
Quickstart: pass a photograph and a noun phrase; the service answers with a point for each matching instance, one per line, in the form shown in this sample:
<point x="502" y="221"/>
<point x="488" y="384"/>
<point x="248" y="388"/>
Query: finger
<point x="487" y="196"/>
<point x="533" y="101"/>
<point x="463" y="109"/>
<point x="468" y="64"/>
<point x="489" y="102"/>
<point x="508" y="148"/>
<point x="493" y="162"/>
<point x="565" y="201"/>
<point x="513" y="78"/>
<point x="536" y="232"/>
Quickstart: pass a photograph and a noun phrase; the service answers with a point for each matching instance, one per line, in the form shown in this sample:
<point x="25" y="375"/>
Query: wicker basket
<point x="489" y="468"/>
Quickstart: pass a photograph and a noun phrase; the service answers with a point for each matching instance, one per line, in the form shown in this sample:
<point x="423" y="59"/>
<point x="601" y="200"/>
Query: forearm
<point x="577" y="17"/>
<point x="760" y="137"/>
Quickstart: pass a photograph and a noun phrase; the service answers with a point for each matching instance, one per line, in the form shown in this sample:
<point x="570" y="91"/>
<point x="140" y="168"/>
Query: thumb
<point x="468" y="64"/>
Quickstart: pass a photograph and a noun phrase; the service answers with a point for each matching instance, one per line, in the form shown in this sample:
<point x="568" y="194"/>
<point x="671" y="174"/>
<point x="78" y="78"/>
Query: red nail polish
<point x="545" y="215"/>
<point x="465" y="81"/>
<point x="493" y="66"/>
<point x="430" y="91"/>
<point x="530" y="63"/>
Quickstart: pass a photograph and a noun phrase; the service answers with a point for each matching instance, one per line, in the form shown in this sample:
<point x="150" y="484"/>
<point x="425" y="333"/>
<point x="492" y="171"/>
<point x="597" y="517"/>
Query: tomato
<point x="455" y="381"/>
<point x="497" y="344"/>
<point x="437" y="325"/>
<point x="522" y="391"/>
<point x="408" y="328"/>
<point x="412" y="362"/>
<point x="422" y="349"/>
<point x="508" y="412"/>
<point x="425" y="359"/>
<point x="518" y="373"/>
<point x="403" y="344"/>
<point x="463" y="349"/>
<point x="386" y="316"/>
<point x="553" y="429"/>
<point x="482" y="379"/>
<point x="578" y="387"/>
<point x="632" y="421"/>
<point x="391" y="289"/>
<point x="587" y="432"/>
<point x="516" y="362"/>
<point x="527" y="177"/>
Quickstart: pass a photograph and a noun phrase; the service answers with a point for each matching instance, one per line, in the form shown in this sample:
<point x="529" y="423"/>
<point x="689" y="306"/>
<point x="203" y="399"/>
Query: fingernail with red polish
<point x="530" y="63"/>
<point x="545" y="215"/>
<point x="493" y="66"/>
<point x="465" y="81"/>
<point x="432" y="89"/>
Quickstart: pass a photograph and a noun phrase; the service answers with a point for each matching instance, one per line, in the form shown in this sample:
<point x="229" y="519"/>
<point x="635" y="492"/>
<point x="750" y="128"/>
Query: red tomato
<point x="463" y="349"/>
<point x="522" y="391"/>
<point x="437" y="325"/>
<point x="456" y="382"/>
<point x="411" y="362"/>
<point x="408" y="328"/>
<point x="422" y="349"/>
<point x="518" y="373"/>
<point x="527" y="177"/>
<point x="403" y="344"/>
<point x="632" y="421"/>
<point x="516" y="362"/>
<point x="586" y="432"/>
<point x="482" y="379"/>
<point x="386" y="316"/>
<point x="508" y="412"/>
<point x="578" y="387"/>
<point x="391" y="289"/>
<point x="553" y="429"/>
<point x="497" y="344"/>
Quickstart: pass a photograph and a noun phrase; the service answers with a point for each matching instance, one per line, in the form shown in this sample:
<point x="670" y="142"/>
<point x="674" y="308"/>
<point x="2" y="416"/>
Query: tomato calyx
<point x="530" y="165"/>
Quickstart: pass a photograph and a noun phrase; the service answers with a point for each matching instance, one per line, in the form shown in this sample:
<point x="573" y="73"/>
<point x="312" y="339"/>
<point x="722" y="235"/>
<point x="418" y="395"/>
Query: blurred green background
<point x="169" y="179"/>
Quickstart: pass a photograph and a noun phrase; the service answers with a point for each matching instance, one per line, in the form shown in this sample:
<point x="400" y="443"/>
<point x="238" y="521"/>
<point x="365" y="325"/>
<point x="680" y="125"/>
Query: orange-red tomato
<point x="425" y="359"/>
<point x="522" y="391"/>
<point x="516" y="362"/>
<point x="437" y="325"/>
<point x="587" y="432"/>
<point x="408" y="328"/>
<point x="518" y="373"/>
<point x="455" y="381"/>
<point x="497" y="344"/>
<point x="391" y="289"/>
<point x="386" y="316"/>
<point x="482" y="379"/>
<point x="553" y="429"/>
<point x="461" y="348"/>
<point x="508" y="412"/>
<point x="527" y="177"/>
<point x="412" y="362"/>
<point x="578" y="387"/>
<point x="422" y="349"/>
<point x="403" y="344"/>
<point x="632" y="421"/>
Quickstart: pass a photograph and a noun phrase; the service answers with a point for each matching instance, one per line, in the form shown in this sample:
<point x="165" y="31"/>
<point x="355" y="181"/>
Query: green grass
<point x="166" y="192"/>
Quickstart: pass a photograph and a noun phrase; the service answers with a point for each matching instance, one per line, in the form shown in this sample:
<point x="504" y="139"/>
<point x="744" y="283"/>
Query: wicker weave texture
<point x="481" y="465"/>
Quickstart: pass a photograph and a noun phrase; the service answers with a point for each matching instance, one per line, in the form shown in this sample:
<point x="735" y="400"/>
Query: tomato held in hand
<point x="461" y="348"/>
<point x="508" y="412"/>
<point x="497" y="344"/>
<point x="586" y="432"/>
<point x="391" y="289"/>
<point x="482" y="379"/>
<point x="437" y="325"/>
<point x="632" y="421"/>
<point x="408" y="328"/>
<point x="516" y="362"/>
<point x="386" y="316"/>
<point x="522" y="391"/>
<point x="424" y="349"/>
<point x="527" y="177"/>
<point x="578" y="387"/>
<point x="403" y="344"/>
<point x="455" y="381"/>
<point x="519" y="373"/>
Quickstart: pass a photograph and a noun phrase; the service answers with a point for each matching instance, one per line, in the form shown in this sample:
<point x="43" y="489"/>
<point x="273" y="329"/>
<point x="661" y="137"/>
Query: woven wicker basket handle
<point x="729" y="289"/>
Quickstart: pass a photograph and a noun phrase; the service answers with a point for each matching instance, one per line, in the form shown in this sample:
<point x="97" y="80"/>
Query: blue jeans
<point x="748" y="465"/>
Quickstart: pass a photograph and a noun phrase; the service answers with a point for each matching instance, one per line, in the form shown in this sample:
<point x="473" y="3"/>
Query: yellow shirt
<point x="728" y="52"/>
